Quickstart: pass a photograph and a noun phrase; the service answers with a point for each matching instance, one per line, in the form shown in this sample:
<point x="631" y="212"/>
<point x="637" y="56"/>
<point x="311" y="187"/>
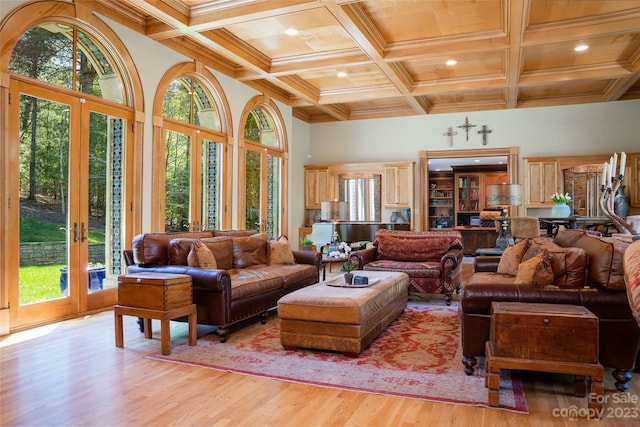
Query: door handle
<point x="83" y="233"/>
<point x="75" y="232"/>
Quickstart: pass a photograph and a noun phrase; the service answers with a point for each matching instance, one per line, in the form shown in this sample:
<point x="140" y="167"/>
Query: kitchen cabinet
<point x="541" y="181"/>
<point x="316" y="184"/>
<point x="398" y="185"/>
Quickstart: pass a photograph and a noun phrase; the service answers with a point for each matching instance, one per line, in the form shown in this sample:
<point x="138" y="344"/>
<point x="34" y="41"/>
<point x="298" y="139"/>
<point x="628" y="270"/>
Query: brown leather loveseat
<point x="585" y="270"/>
<point x="432" y="259"/>
<point x="247" y="281"/>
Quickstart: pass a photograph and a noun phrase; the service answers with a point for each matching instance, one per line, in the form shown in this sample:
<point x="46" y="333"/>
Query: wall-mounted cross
<point x="450" y="132"/>
<point x="484" y="133"/>
<point x="466" y="126"/>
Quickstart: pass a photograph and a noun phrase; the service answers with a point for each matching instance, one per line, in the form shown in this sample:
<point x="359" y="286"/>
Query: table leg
<point x="148" y="333"/>
<point x="165" y="333"/>
<point x="193" y="328"/>
<point x="596" y="398"/>
<point x="118" y="328"/>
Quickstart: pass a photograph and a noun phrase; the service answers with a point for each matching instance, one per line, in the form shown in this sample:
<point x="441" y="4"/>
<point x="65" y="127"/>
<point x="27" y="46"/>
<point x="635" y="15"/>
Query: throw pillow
<point x="280" y="252"/>
<point x="536" y="271"/>
<point x="248" y="251"/>
<point x="512" y="257"/>
<point x="201" y="256"/>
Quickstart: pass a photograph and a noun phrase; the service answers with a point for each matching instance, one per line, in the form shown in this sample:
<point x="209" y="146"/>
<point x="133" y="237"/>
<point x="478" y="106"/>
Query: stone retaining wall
<point x="44" y="253"/>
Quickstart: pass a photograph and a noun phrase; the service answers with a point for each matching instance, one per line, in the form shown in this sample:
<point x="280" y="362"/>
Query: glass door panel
<point x="105" y="200"/>
<point x="263" y="192"/>
<point x="44" y="201"/>
<point x="177" y="181"/>
<point x="253" y="191"/>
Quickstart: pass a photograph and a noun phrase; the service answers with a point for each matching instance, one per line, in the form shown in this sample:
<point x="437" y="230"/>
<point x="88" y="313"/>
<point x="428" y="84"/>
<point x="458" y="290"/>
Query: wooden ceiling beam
<point x="598" y="26"/>
<point x="419" y="49"/>
<point x="357" y="23"/>
<point x="517" y="16"/>
<point x="574" y="74"/>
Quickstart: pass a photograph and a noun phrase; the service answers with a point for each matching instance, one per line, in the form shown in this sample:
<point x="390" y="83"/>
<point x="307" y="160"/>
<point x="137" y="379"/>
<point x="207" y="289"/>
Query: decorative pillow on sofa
<point x="221" y="247"/>
<point x="536" y="271"/>
<point x="201" y="256"/>
<point x="248" y="251"/>
<point x="512" y="257"/>
<point x="569" y="264"/>
<point x="280" y="252"/>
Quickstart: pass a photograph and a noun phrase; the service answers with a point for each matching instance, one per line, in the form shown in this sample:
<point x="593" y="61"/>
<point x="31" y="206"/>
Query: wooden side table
<point x="157" y="296"/>
<point x="554" y="338"/>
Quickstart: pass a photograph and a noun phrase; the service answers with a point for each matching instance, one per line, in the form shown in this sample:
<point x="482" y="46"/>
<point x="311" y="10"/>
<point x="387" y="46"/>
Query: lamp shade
<point x="334" y="211"/>
<point x="504" y="195"/>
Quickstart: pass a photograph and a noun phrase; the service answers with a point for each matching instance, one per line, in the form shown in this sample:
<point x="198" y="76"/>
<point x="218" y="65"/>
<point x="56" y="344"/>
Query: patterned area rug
<point x="418" y="356"/>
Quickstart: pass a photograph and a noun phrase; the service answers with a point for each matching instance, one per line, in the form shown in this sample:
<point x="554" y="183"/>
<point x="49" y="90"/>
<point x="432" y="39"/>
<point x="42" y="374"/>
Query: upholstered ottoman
<point x="343" y="319"/>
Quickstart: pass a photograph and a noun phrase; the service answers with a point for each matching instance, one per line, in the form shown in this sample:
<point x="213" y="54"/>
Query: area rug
<point x="418" y="356"/>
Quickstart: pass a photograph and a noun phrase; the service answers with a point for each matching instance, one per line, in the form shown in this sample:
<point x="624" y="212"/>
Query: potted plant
<point x="306" y="244"/>
<point x="348" y="267"/>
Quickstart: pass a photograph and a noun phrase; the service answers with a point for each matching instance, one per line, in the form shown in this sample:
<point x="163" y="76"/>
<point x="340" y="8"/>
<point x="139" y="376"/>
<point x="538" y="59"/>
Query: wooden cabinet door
<point x="631" y="180"/>
<point x="316" y="187"/>
<point x="398" y="186"/>
<point x="541" y="181"/>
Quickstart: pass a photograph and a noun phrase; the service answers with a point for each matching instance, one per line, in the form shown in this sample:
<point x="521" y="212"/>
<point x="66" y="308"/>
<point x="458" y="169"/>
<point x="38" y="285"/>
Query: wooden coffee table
<point x="554" y="338"/>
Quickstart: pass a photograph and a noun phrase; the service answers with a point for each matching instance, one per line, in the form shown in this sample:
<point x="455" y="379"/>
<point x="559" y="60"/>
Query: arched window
<point x="46" y="53"/>
<point x="263" y="169"/>
<point x="68" y="143"/>
<point x="192" y="177"/>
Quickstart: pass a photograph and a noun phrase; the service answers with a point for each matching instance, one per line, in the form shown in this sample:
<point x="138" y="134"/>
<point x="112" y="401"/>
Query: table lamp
<point x="503" y="196"/>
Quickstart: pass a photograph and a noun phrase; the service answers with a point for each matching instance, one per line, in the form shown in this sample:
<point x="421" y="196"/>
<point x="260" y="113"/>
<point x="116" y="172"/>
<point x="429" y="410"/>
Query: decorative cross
<point x="484" y="133"/>
<point x="450" y="132"/>
<point x="466" y="126"/>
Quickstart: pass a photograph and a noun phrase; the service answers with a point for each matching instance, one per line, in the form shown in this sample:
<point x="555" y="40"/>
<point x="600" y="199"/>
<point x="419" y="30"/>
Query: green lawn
<point x="39" y="283"/>
<point x="38" y="231"/>
<point x="42" y="282"/>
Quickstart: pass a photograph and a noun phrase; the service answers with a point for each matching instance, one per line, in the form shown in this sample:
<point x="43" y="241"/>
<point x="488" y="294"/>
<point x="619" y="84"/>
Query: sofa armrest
<point x="362" y="257"/>
<point x="486" y="264"/>
<point x="211" y="280"/>
<point x="308" y="257"/>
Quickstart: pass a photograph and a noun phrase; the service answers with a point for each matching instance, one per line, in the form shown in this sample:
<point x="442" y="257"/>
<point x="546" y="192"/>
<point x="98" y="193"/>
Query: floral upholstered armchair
<point x="432" y="259"/>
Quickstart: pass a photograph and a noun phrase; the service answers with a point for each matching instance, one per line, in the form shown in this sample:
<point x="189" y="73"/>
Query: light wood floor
<point x="71" y="373"/>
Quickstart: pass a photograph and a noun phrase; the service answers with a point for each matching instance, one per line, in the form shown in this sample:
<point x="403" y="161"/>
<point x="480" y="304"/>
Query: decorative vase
<point x="621" y="203"/>
<point x="560" y="210"/>
<point x="348" y="278"/>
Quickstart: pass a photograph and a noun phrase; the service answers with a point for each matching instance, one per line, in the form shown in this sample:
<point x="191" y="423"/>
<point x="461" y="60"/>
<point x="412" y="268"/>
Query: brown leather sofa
<point x="245" y="282"/>
<point x="587" y="271"/>
<point x="432" y="259"/>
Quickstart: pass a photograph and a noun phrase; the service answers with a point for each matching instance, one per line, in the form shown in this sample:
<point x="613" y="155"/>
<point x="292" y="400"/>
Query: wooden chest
<point x="558" y="332"/>
<point x="154" y="291"/>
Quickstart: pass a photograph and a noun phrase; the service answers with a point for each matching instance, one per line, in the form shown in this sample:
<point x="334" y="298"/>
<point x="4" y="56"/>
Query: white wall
<point x="578" y="129"/>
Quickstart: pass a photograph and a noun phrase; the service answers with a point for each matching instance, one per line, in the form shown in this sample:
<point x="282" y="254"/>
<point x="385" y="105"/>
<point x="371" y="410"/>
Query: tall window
<point x="195" y="157"/>
<point x="264" y="168"/>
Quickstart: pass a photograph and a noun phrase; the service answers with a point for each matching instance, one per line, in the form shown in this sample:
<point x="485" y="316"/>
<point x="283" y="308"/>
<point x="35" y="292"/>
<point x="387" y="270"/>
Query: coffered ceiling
<point x="393" y="53"/>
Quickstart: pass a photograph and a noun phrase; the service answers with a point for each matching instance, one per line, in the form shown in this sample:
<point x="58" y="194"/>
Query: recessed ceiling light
<point x="291" y="31"/>
<point x="581" y="48"/>
<point x="476" y="161"/>
<point x="451" y="62"/>
<point x="341" y="74"/>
